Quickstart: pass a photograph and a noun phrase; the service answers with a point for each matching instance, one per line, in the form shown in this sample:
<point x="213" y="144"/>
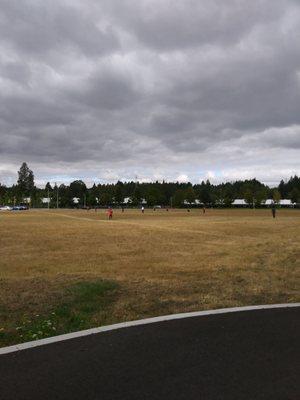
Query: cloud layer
<point x="106" y="90"/>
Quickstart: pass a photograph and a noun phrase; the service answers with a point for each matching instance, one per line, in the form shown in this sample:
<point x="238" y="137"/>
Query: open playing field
<point x="63" y="270"/>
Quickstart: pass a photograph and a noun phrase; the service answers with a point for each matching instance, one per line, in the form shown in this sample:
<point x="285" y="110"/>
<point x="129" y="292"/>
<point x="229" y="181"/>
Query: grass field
<point x="64" y="270"/>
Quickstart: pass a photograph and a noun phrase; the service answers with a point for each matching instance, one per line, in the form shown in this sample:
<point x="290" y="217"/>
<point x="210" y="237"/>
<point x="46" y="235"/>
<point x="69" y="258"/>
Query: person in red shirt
<point x="110" y="213"/>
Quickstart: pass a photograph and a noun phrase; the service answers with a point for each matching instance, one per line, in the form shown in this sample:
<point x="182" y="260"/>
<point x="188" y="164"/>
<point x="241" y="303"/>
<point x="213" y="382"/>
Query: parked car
<point x="20" y="207"/>
<point x="5" y="208"/>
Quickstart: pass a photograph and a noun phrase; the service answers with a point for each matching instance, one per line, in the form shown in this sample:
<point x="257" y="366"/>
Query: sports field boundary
<point x="146" y="321"/>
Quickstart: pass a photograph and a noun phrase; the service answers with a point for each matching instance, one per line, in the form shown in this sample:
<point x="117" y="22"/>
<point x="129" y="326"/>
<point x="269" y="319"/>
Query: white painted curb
<point x="73" y="335"/>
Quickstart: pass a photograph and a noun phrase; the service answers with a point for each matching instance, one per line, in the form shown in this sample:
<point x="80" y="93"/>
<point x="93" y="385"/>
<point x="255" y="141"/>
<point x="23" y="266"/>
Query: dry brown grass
<point x="165" y="262"/>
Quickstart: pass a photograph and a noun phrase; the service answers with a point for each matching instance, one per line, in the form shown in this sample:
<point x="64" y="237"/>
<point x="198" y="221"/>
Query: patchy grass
<point x="163" y="262"/>
<point x="86" y="304"/>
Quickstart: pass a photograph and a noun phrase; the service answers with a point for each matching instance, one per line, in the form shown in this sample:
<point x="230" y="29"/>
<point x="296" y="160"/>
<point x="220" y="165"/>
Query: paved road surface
<point x="244" y="355"/>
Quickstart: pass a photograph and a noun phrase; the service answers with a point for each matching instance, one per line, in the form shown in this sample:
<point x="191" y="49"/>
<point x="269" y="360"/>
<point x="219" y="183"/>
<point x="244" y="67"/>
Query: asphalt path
<point x="242" y="355"/>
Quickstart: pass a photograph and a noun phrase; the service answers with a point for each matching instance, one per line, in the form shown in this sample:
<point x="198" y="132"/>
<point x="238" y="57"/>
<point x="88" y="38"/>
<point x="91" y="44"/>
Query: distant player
<point x="273" y="208"/>
<point x="203" y="210"/>
<point x="110" y="213"/>
<point x="143" y="209"/>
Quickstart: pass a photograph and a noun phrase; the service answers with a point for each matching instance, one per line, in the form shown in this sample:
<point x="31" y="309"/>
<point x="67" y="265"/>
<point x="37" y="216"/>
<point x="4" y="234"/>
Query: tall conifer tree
<point x="25" y="180"/>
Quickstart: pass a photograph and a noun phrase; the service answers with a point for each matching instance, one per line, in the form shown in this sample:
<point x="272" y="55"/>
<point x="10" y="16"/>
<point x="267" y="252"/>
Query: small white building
<point x="268" y="202"/>
<point x="76" y="200"/>
<point x="286" y="203"/>
<point x="282" y="202"/>
<point x="45" y="200"/>
<point x="239" y="203"/>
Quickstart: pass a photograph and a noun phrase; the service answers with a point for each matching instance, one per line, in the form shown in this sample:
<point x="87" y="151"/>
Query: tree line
<point x="176" y="194"/>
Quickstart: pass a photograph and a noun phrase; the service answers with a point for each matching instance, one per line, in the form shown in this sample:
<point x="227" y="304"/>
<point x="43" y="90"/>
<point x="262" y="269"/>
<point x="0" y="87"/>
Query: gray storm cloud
<point x="158" y="89"/>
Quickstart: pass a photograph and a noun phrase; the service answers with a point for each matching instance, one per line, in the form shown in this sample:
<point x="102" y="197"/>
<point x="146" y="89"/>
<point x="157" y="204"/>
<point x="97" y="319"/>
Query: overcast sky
<point x="102" y="90"/>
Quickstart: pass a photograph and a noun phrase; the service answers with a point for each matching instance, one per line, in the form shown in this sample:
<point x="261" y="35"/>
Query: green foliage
<point x="162" y="193"/>
<point x="64" y="196"/>
<point x="294" y="195"/>
<point x="154" y="196"/>
<point x="119" y="192"/>
<point x="276" y="195"/>
<point x="260" y="196"/>
<point x="228" y="196"/>
<point x="25" y="181"/>
<point x="178" y="198"/>
<point x="48" y="187"/>
<point x="249" y="196"/>
<point x="105" y="198"/>
<point x="77" y="189"/>
<point x="286" y="188"/>
<point x="190" y="195"/>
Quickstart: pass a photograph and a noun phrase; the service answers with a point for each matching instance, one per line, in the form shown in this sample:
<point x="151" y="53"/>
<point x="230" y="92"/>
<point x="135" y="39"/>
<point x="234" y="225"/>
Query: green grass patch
<point x="86" y="304"/>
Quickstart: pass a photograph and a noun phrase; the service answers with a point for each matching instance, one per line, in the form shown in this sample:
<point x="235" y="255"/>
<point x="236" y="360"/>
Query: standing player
<point x="143" y="209"/>
<point x="273" y="208"/>
<point x="110" y="213"/>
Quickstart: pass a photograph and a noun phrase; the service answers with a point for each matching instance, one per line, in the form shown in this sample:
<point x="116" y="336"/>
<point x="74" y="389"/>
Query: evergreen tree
<point x="64" y="196"/>
<point x="119" y="195"/>
<point x="77" y="189"/>
<point x="178" y="198"/>
<point x="294" y="195"/>
<point x="190" y="195"/>
<point x="48" y="187"/>
<point x="25" y="181"/>
<point x="228" y="195"/>
<point x="137" y="195"/>
<point x="93" y="196"/>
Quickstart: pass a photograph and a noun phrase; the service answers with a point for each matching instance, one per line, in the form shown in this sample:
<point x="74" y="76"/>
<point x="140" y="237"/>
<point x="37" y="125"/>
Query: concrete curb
<point x="73" y="335"/>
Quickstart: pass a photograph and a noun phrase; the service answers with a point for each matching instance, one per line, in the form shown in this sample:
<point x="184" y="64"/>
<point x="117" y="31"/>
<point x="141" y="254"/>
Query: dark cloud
<point x="107" y="90"/>
<point x="37" y="27"/>
<point x="16" y="72"/>
<point x="156" y="89"/>
<point x="175" y="25"/>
